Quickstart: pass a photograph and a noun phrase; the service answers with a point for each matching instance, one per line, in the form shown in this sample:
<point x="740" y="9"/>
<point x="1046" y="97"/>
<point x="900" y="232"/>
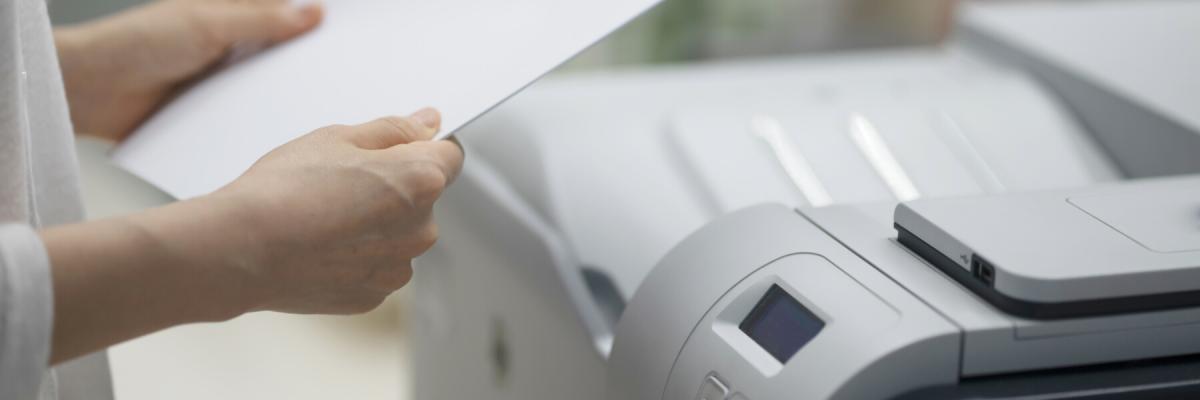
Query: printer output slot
<point x="1162" y="378"/>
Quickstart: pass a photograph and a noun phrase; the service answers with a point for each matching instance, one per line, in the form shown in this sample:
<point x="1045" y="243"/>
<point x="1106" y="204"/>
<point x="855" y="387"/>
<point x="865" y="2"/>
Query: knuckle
<point x="427" y="237"/>
<point x="391" y="198"/>
<point x="404" y="205"/>
<point x="365" y="304"/>
<point x="425" y="181"/>
<point x="417" y="242"/>
<point x="209" y="37"/>
<point x="399" y="277"/>
<point x="329" y="131"/>
<point x="403" y="126"/>
<point x="276" y="13"/>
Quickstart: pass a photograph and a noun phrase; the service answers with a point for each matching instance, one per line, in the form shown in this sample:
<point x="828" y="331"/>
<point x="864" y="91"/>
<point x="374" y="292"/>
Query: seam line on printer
<point x="962" y="337"/>
<point x="953" y="135"/>
<point x="876" y="268"/>
<point x="1071" y="201"/>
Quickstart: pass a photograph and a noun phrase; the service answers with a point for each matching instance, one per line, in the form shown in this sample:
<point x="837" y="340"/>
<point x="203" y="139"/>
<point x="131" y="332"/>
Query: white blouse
<point x="38" y="187"/>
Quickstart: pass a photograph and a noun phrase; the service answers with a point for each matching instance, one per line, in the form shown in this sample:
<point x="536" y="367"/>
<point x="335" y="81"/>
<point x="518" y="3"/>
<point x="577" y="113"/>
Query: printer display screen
<point x="780" y="324"/>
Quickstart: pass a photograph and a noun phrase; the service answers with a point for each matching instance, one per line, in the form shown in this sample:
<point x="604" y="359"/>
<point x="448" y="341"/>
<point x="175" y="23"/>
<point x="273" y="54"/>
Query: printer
<point x="880" y="224"/>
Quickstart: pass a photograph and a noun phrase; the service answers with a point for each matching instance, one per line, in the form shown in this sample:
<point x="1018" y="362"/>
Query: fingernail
<point x="428" y="117"/>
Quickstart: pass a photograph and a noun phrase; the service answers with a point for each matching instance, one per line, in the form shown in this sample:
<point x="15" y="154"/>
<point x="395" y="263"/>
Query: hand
<point x="120" y="69"/>
<point x="328" y="223"/>
<point x="337" y="216"/>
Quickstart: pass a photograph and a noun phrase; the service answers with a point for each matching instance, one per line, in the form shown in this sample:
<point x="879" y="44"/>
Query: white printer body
<point x="648" y="234"/>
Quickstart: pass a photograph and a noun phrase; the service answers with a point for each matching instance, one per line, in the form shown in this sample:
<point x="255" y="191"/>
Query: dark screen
<point x="780" y="324"/>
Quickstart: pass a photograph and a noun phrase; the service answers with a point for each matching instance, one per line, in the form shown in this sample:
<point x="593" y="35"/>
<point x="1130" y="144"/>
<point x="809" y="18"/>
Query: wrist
<point x="120" y="278"/>
<point x="208" y="244"/>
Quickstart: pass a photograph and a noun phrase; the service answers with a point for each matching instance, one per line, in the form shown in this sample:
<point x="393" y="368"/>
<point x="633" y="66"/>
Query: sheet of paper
<point x="370" y="58"/>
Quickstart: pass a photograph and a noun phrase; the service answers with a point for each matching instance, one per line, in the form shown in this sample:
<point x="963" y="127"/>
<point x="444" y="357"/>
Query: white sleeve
<point x="26" y="312"/>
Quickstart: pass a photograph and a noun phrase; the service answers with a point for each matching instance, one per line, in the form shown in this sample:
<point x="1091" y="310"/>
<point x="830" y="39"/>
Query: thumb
<point x="270" y="22"/>
<point x="391" y="131"/>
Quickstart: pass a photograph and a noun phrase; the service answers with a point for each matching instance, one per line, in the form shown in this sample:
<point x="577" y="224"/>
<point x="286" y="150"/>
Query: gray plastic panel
<point x="996" y="343"/>
<point x="501" y="308"/>
<point x="1166" y="220"/>
<point x="1046" y="250"/>
<point x="907" y="345"/>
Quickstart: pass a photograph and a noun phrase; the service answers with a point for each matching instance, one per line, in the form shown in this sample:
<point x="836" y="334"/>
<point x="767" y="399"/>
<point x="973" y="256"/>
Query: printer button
<point x="712" y="389"/>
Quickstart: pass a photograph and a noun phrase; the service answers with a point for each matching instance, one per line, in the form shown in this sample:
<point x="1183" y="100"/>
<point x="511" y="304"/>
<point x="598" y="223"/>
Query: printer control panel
<point x="762" y="304"/>
<point x="797" y="319"/>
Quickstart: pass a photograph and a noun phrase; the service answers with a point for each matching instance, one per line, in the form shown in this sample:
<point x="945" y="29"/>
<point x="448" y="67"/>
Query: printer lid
<point x="1109" y="249"/>
<point x="997" y="342"/>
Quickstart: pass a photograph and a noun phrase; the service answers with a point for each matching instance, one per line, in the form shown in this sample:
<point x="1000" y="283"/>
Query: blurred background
<point x="269" y="355"/>
<point x="684" y="30"/>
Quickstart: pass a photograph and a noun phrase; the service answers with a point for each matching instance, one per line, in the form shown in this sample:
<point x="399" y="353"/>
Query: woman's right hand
<point x="332" y="220"/>
<point x="328" y="223"/>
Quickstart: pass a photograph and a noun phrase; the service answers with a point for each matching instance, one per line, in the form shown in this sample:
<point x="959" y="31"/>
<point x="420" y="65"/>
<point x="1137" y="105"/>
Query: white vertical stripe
<point x="794" y="164"/>
<point x="880" y="156"/>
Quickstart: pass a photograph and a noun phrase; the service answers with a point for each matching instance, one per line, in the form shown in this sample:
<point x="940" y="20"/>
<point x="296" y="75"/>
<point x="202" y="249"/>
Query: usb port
<point x="983" y="270"/>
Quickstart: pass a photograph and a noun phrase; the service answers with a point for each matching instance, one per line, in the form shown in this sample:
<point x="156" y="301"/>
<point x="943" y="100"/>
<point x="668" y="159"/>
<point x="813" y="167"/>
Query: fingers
<point x="266" y="22"/>
<point x="358" y="303"/>
<point x="392" y="131"/>
<point x="390" y="278"/>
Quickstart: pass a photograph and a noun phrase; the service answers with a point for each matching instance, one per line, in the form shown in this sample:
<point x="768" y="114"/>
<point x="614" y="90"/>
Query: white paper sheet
<point x="370" y="58"/>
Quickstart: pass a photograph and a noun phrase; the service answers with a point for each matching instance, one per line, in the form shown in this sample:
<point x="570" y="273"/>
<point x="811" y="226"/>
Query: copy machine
<point x="791" y="228"/>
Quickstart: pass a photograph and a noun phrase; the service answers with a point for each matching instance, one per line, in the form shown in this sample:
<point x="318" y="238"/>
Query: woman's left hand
<point x="119" y="70"/>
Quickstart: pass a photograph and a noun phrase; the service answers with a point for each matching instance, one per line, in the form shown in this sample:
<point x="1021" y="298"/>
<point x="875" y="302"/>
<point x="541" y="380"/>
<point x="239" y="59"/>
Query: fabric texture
<point x="25" y="320"/>
<point x="38" y="188"/>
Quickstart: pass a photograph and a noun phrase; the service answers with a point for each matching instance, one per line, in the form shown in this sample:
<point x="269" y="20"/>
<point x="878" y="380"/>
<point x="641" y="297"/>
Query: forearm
<point x="121" y="278"/>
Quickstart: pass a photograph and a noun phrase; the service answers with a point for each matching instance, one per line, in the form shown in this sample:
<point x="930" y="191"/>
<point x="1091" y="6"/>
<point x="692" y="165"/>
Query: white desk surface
<point x="257" y="356"/>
